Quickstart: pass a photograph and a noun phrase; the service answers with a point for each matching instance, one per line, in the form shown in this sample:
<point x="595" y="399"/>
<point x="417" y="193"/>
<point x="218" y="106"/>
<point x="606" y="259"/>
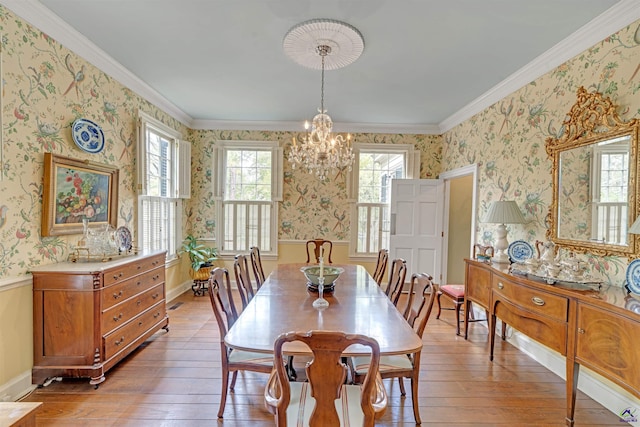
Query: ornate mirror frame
<point x="593" y="118"/>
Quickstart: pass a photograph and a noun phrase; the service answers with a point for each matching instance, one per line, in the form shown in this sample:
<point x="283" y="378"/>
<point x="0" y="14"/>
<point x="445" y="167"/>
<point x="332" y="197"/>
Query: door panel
<point x="416" y="232"/>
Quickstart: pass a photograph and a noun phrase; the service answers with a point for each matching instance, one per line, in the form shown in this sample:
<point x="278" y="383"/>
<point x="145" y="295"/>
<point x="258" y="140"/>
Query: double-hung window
<point x="163" y="181"/>
<point x="370" y="189"/>
<point x="247" y="188"/>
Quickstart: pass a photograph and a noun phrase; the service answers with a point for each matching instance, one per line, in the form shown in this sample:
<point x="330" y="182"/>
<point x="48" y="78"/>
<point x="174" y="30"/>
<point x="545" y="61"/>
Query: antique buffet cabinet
<point x="87" y="316"/>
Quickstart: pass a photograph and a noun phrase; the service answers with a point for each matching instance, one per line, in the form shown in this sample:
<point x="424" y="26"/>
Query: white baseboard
<point x="16" y="388"/>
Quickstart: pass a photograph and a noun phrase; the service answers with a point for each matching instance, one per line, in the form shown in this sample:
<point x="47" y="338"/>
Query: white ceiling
<point x="427" y="64"/>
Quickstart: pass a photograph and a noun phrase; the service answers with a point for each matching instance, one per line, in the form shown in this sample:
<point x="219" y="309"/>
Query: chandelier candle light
<point x="338" y="44"/>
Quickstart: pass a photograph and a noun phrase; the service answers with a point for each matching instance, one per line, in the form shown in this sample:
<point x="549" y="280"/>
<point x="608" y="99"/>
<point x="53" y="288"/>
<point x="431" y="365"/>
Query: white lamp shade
<point x="504" y="212"/>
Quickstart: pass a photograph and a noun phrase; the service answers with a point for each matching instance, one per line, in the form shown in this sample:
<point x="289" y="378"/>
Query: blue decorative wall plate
<point x="87" y="135"/>
<point x="633" y="276"/>
<point x="519" y="251"/>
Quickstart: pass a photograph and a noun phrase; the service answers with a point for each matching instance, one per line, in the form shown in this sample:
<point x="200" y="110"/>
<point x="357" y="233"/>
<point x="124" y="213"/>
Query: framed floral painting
<point x="75" y="190"/>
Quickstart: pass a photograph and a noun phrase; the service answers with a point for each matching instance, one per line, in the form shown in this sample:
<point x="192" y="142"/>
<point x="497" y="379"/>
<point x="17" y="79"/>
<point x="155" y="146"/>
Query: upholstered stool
<point x="456" y="294"/>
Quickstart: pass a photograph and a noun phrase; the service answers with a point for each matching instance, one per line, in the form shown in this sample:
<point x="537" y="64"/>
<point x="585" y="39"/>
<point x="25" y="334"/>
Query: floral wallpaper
<point x="310" y="208"/>
<point x="507" y="139"/>
<point x="45" y="87"/>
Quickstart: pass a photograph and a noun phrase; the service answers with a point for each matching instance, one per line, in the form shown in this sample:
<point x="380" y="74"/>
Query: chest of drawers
<point x="89" y="316"/>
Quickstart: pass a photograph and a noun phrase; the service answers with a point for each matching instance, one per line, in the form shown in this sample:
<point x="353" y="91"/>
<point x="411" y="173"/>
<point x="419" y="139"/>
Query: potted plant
<point x="201" y="257"/>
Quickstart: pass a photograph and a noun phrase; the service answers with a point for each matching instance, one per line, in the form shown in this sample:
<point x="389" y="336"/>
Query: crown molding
<point x="612" y="20"/>
<point x="49" y="23"/>
<point x="609" y="22"/>
<point x="341" y="127"/>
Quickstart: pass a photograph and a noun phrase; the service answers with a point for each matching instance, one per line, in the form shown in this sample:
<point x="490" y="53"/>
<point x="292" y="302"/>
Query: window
<point x="375" y="167"/>
<point x="162" y="183"/>
<point x="248" y="189"/>
<point x="610" y="191"/>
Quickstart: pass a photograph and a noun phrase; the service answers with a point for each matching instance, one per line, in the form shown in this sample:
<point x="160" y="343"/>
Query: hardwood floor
<point x="174" y="380"/>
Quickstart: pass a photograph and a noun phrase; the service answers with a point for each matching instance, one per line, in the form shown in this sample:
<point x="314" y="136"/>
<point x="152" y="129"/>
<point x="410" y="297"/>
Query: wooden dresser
<point x="598" y="329"/>
<point x="87" y="316"/>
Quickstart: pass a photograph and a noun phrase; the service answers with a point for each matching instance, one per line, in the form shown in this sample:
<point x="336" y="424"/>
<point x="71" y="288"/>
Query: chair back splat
<point x="397" y="275"/>
<point x="313" y="246"/>
<point x="381" y="266"/>
<point x="243" y="279"/>
<point x="256" y="263"/>
<point x="316" y="399"/>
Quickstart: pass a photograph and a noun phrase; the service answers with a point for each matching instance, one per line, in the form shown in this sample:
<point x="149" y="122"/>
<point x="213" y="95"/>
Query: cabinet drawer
<point x="478" y="280"/>
<point x="531" y="299"/>
<point x="128" y="288"/>
<point x="122" y="337"/>
<point x="120" y="314"/>
<point x="124" y="272"/>
<point x="550" y="332"/>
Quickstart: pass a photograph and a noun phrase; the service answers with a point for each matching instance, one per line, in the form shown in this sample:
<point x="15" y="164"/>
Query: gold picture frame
<point x="77" y="189"/>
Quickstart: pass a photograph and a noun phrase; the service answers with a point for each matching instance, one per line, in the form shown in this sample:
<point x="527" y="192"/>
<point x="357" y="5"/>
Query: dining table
<point x="357" y="305"/>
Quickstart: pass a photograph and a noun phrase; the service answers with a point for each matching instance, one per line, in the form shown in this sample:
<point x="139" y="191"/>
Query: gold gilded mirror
<point x="595" y="190"/>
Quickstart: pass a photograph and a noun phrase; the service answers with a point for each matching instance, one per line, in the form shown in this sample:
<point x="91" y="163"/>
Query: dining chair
<point x="381" y="266"/>
<point x="256" y="263"/>
<point x="324" y="399"/>
<point x="243" y="279"/>
<point x="405" y="365"/>
<point x="455" y="292"/>
<point x="397" y="275"/>
<point x="225" y="313"/>
<point x="315" y="245"/>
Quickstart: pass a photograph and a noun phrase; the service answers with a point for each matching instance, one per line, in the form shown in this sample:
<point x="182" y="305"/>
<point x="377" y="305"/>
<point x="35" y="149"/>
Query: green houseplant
<point x="200" y="255"/>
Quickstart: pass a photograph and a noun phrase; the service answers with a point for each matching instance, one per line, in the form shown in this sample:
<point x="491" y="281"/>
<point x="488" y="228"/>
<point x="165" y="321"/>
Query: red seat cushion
<point x="456" y="291"/>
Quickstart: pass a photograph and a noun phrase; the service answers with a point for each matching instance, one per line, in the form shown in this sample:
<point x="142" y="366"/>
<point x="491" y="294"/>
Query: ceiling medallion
<point x="326" y="45"/>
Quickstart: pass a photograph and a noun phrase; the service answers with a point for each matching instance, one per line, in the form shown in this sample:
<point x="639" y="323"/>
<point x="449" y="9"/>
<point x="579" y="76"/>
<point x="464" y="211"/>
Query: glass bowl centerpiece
<point x="330" y="274"/>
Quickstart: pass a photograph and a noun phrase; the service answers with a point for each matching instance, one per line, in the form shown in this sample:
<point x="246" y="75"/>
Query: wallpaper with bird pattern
<point x="45" y="87"/>
<point x="507" y="140"/>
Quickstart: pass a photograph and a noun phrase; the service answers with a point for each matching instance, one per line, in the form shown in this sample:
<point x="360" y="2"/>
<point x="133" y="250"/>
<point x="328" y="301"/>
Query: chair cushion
<point x="302" y="403"/>
<point x="239" y="356"/>
<point x="456" y="291"/>
<point x="387" y="363"/>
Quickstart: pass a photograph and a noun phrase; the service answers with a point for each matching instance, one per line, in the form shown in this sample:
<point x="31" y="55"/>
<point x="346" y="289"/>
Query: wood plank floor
<point x="174" y="380"/>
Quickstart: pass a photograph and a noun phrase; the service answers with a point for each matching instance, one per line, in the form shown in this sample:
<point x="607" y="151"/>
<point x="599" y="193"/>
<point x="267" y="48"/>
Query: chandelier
<point x="319" y="151"/>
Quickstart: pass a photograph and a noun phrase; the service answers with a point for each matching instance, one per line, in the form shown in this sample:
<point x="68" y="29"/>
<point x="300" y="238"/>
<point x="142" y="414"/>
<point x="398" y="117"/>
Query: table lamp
<point x="503" y="212"/>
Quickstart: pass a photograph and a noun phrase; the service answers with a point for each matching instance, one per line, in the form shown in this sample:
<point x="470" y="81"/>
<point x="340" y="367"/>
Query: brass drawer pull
<point x="154" y="296"/>
<point x="140" y="323"/>
<point x="120" y="341"/>
<point x="155" y="316"/>
<point x="118" y="295"/>
<point x="116" y="318"/>
<point x="138" y="283"/>
<point x="537" y="301"/>
<point x="500" y="285"/>
<point x="138" y="302"/>
<point x="117" y="276"/>
<point x="581" y="331"/>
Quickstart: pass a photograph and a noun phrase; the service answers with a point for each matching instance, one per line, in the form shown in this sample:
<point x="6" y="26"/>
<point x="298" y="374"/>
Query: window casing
<point x="370" y="191"/>
<point x="163" y="180"/>
<point x="247" y="188"/>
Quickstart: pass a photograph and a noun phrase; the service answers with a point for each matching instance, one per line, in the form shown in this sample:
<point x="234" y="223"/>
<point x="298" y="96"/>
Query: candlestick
<point x="321" y="264"/>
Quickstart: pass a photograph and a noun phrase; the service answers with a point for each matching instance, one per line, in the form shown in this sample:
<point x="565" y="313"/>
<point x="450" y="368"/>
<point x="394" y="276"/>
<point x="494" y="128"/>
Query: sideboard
<point x="595" y="328"/>
<point x="87" y="316"/>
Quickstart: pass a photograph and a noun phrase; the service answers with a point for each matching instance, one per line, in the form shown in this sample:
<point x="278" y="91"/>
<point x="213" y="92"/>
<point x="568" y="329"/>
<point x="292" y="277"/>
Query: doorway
<point x="460" y="195"/>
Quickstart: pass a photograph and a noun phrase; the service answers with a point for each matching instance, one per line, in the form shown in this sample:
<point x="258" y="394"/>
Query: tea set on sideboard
<point x="550" y="266"/>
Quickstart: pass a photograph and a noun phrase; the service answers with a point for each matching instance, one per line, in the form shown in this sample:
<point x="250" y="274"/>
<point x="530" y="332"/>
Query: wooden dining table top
<point x="357" y="305"/>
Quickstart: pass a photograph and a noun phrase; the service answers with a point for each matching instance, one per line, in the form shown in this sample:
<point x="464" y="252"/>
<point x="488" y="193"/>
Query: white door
<point x="417" y="207"/>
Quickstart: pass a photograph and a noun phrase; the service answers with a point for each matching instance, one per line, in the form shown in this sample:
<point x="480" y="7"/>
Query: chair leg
<point x="458" y="318"/>
<point x="223" y="395"/>
<point x="414" y="399"/>
<point x="438" y="295"/>
<point x="402" y="390"/>
<point x="233" y="381"/>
